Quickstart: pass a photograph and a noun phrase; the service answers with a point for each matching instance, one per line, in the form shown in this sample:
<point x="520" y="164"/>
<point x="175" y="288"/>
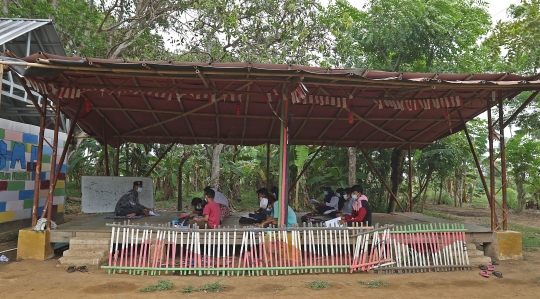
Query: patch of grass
<point x="161" y="285"/>
<point x="188" y="289"/>
<point x="530" y="237"/>
<point x="373" y="284"/>
<point x="318" y="285"/>
<point x="212" y="287"/>
<point x="440" y="215"/>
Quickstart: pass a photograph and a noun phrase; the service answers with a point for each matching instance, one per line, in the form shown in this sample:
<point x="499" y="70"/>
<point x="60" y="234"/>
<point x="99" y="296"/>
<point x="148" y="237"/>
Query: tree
<point x="523" y="157"/>
<point x="412" y="35"/>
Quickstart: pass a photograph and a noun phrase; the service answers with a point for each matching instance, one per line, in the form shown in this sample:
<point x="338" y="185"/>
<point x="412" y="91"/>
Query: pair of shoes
<point x="484" y="273"/>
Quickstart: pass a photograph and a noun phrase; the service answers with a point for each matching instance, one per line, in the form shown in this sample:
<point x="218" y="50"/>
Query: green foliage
<point x="215" y="287"/>
<point x="412" y="35"/>
<point x="318" y="285"/>
<point x="161" y="285"/>
<point x="373" y="284"/>
<point x="530" y="237"/>
<point x="188" y="289"/>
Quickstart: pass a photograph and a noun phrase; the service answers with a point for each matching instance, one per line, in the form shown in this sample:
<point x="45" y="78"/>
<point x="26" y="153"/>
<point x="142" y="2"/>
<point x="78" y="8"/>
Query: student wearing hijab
<point x="330" y="202"/>
<point x="361" y="210"/>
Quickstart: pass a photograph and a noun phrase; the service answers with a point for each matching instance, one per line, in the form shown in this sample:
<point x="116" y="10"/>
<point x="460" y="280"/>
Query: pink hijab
<point x="356" y="204"/>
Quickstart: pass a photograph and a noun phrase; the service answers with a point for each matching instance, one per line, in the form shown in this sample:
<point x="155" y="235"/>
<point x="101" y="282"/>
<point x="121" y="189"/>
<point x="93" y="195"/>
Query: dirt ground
<point x="521" y="279"/>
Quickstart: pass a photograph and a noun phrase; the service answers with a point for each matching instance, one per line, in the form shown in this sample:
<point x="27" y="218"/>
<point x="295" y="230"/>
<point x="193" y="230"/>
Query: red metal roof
<point x="239" y="103"/>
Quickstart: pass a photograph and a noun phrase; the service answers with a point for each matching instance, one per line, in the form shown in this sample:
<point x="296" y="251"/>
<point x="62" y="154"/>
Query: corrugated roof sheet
<point x="13" y="35"/>
<point x="239" y="103"/>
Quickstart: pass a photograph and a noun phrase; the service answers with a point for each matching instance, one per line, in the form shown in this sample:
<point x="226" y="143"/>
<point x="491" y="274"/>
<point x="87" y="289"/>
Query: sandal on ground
<point x="497" y="274"/>
<point x="482" y="267"/>
<point x="82" y="269"/>
<point x="490" y="267"/>
<point x="484" y="273"/>
<point x="494" y="262"/>
<point x="70" y="269"/>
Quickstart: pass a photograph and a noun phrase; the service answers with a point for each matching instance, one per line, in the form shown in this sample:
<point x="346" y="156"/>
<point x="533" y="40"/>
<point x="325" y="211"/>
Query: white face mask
<point x="139" y="189"/>
<point x="345" y="196"/>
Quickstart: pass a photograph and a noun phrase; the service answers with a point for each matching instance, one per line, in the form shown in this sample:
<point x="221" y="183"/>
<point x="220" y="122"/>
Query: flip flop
<point x="70" y="269"/>
<point x="484" y="273"/>
<point x="482" y="267"/>
<point x="493" y="262"/>
<point x="82" y="269"/>
<point x="497" y="273"/>
<point x="490" y="267"/>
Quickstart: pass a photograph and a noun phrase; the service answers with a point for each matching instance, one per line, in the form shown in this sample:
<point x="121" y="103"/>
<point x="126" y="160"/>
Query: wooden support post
<point x="268" y="165"/>
<point x="518" y="111"/>
<point x="410" y="181"/>
<point x="381" y="178"/>
<point x="106" y="148"/>
<point x="37" y="168"/>
<point x="117" y="161"/>
<point x="502" y="148"/>
<point x="283" y="163"/>
<point x="305" y="168"/>
<point x="47" y="209"/>
<point x="159" y="159"/>
<point x="491" y="131"/>
<point x="68" y="142"/>
<point x="476" y="161"/>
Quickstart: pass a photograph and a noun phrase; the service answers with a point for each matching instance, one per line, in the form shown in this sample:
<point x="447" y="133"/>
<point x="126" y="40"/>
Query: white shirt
<point x="219" y="198"/>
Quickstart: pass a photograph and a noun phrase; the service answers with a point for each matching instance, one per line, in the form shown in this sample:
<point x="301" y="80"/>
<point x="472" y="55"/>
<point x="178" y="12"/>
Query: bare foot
<point x="131" y="215"/>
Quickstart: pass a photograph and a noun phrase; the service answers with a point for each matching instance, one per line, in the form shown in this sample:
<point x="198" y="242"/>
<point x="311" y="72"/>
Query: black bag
<point x="247" y="220"/>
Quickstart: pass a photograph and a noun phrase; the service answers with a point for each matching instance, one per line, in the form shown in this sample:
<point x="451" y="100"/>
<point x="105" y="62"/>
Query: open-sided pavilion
<point x="118" y="101"/>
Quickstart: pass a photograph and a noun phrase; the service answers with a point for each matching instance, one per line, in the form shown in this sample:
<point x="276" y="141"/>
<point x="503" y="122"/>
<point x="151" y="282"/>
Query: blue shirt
<point x="291" y="216"/>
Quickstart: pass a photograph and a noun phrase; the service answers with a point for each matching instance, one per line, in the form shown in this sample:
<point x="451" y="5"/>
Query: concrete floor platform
<point x="96" y="226"/>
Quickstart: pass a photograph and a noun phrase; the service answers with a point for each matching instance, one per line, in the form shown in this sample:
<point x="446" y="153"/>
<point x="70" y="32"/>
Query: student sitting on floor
<point x="211" y="213"/>
<point x="273" y="217"/>
<point x="198" y="207"/>
<point x="222" y="201"/>
<point x="329" y="203"/>
<point x="129" y="205"/>
<point x="361" y="210"/>
<point x="346" y="210"/>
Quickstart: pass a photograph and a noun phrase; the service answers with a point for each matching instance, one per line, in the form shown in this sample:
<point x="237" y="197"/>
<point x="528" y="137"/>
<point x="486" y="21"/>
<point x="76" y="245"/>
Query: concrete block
<point x="509" y="245"/>
<point x="86" y="253"/>
<point x="81" y="261"/>
<point x="34" y="245"/>
<point x="479" y="260"/>
<point x="101" y="193"/>
<point x="89" y="241"/>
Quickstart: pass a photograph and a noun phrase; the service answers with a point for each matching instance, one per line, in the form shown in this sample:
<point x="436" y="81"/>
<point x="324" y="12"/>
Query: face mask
<point x="355" y="196"/>
<point x="325" y="192"/>
<point x="345" y="196"/>
<point x="274" y="194"/>
<point x="269" y="210"/>
<point x="198" y="208"/>
<point x="139" y="189"/>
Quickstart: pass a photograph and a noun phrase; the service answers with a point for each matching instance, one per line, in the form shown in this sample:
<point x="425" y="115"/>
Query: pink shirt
<point x="213" y="211"/>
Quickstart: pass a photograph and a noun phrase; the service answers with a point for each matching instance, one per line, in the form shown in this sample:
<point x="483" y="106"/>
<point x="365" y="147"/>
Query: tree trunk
<point x="183" y="161"/>
<point x="5" y="5"/>
<point x="352" y="166"/>
<point x="396" y="176"/>
<point x="214" y="174"/>
<point x="440" y="191"/>
<point x="520" y="179"/>
<point x="234" y="179"/>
